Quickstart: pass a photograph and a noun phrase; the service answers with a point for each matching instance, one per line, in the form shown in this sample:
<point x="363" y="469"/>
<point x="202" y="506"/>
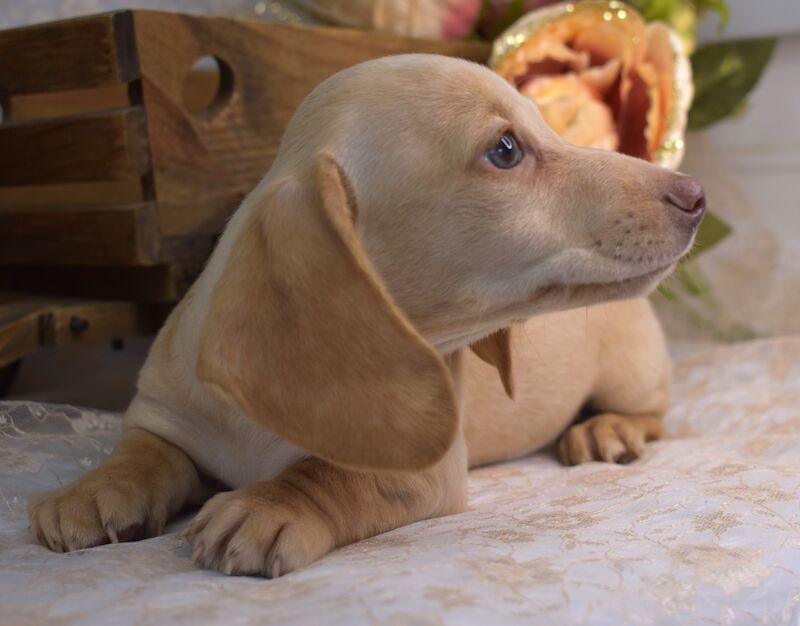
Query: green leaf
<point x="724" y="73"/>
<point x="655" y="9"/>
<point x="692" y="282"/>
<point x="667" y="293"/>
<point x="660" y="10"/>
<point x="712" y="230"/>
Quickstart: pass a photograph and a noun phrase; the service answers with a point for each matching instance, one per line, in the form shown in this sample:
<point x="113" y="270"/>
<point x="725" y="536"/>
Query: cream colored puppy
<point x="418" y="206"/>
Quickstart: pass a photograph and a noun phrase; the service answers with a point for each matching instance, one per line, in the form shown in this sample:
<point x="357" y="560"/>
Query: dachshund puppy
<point x="402" y="296"/>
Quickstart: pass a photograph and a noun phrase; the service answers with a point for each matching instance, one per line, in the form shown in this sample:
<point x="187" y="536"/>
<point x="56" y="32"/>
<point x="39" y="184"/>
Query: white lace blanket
<point x="705" y="529"/>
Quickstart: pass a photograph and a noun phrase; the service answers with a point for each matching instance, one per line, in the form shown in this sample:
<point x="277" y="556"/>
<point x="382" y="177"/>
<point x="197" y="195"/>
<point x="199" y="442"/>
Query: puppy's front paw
<point x="608" y="437"/>
<point x="265" y="529"/>
<point x="95" y="510"/>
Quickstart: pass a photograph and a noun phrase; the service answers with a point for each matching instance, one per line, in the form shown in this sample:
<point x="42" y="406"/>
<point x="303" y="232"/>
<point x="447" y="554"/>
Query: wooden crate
<point x="102" y="165"/>
<point x="113" y="182"/>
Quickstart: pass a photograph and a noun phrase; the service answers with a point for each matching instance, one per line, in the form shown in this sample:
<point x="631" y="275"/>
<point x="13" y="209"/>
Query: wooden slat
<point x="203" y="164"/>
<point x="92" y="147"/>
<point x="64" y="103"/>
<point x="154" y="283"/>
<point x="104" y="320"/>
<point x="101" y="192"/>
<point x="73" y="54"/>
<point x="110" y="235"/>
<point x="28" y="322"/>
<point x="19" y="330"/>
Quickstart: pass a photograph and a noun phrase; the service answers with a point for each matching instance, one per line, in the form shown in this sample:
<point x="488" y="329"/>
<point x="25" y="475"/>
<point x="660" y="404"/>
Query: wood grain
<point x="86" y="52"/>
<point x="120" y="191"/>
<point x="153" y="283"/>
<point x="101" y="235"/>
<point x="65" y="103"/>
<point x="104" y="146"/>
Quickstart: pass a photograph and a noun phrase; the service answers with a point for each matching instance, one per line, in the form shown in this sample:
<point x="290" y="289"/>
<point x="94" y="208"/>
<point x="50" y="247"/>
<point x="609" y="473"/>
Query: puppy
<point x="319" y="367"/>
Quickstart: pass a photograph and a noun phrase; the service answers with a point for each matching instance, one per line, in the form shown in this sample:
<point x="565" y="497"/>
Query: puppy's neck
<point x="447" y="343"/>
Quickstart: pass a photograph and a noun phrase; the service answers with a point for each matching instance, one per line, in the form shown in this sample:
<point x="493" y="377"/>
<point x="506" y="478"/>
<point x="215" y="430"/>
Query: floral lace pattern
<point x="705" y="528"/>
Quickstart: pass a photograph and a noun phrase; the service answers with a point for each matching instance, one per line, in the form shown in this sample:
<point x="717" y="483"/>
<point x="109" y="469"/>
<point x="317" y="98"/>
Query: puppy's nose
<point x="687" y="194"/>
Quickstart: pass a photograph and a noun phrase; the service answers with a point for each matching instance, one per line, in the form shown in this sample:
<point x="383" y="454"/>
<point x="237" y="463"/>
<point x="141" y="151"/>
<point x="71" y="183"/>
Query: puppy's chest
<point x="242" y="452"/>
<point x="226" y="446"/>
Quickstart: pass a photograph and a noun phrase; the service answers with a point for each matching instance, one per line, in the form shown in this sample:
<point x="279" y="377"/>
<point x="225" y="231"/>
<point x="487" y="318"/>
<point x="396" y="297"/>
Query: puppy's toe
<point x="45" y="521"/>
<point x="609" y="445"/>
<point x="300" y="542"/>
<point x="608" y="437"/>
<point x="63" y="521"/>
<point x="631" y="438"/>
<point x="261" y="530"/>
<point x="575" y="446"/>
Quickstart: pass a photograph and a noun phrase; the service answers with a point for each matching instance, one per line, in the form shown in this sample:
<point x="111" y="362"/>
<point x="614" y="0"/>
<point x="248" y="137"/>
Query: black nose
<point x="687" y="194"/>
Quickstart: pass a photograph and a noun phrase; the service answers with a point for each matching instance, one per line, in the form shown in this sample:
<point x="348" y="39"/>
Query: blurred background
<point x="749" y="162"/>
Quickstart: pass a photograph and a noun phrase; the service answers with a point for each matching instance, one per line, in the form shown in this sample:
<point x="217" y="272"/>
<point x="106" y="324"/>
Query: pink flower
<point x="459" y="18"/>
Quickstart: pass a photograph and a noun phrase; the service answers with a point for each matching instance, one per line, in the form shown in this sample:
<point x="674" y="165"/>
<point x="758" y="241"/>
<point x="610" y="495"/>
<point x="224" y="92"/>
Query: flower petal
<point x="573" y="110"/>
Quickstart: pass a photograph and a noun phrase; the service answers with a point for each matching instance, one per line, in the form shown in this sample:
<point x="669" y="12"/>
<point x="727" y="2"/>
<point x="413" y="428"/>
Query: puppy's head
<point x="418" y="202"/>
<point x="475" y="213"/>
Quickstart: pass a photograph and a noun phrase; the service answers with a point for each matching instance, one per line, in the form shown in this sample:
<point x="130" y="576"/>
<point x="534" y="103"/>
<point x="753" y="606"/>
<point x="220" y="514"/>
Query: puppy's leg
<point x="272" y="528"/>
<point x="130" y="495"/>
<point x="630" y="394"/>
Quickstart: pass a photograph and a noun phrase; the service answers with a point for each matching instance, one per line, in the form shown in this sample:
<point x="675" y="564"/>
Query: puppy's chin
<point x="547" y="299"/>
<point x="559" y="297"/>
<point x="634" y="287"/>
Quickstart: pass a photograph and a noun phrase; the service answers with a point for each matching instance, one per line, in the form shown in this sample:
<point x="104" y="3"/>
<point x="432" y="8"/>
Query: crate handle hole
<point x="208" y="85"/>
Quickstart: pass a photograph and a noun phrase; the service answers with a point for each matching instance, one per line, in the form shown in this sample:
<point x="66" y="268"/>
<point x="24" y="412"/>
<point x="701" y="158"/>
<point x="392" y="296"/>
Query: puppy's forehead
<point x="441" y="98"/>
<point x="436" y="105"/>
<point x="447" y="84"/>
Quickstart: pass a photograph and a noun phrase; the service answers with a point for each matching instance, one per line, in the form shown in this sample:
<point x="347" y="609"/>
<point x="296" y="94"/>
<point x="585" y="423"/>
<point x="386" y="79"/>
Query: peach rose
<point x="602" y="77"/>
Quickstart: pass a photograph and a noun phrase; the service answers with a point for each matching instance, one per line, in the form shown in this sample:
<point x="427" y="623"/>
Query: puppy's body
<point x="611" y="356"/>
<point x="320" y="365"/>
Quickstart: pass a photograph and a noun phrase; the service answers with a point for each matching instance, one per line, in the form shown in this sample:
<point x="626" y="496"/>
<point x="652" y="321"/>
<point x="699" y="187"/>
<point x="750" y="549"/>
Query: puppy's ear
<point x="495" y="349"/>
<point x="303" y="337"/>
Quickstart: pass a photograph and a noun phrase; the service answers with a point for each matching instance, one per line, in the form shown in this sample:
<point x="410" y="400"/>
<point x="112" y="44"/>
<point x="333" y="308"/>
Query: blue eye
<point x="506" y="153"/>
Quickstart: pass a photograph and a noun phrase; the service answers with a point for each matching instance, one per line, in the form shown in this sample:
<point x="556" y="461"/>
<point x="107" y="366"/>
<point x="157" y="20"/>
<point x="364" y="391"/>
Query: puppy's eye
<point x="506" y="153"/>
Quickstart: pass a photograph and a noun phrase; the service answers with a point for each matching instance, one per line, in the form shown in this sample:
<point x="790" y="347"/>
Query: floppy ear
<point x="495" y="349"/>
<point x="303" y="337"/>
